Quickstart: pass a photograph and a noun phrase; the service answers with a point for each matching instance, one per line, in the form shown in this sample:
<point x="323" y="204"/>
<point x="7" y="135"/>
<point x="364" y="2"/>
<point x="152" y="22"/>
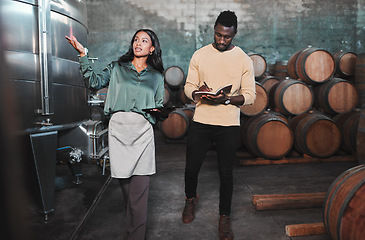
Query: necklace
<point x="139" y="65"/>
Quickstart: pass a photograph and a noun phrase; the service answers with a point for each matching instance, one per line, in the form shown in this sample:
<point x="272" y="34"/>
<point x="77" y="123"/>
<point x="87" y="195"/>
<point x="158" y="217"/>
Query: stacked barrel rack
<point x="175" y="127"/>
<point x="320" y="103"/>
<point x="307" y="106"/>
<point x="301" y="111"/>
<point x="307" y="109"/>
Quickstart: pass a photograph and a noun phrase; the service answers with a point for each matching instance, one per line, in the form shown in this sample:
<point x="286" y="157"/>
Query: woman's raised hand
<point x="78" y="46"/>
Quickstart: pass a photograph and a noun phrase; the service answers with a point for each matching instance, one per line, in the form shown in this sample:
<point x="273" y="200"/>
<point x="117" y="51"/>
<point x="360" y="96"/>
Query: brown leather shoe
<point x="225" y="231"/>
<point x="188" y="214"/>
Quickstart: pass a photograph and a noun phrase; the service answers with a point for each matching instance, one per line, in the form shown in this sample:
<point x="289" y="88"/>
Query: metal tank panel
<point x="65" y="65"/>
<point x="20" y="26"/>
<point x="42" y="64"/>
<point x="43" y="69"/>
<point x="75" y="9"/>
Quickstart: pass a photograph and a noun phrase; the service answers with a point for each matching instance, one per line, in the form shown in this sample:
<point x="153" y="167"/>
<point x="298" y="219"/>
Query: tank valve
<point x="45" y="123"/>
<point x="75" y="164"/>
<point x="75" y="155"/>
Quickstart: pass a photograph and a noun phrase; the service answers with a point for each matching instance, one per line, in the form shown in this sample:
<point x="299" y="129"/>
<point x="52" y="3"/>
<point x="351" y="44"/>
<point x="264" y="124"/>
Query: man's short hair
<point x="227" y="19"/>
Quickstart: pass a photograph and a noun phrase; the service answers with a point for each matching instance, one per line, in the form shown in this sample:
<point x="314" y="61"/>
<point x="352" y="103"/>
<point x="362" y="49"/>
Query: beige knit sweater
<point x="218" y="69"/>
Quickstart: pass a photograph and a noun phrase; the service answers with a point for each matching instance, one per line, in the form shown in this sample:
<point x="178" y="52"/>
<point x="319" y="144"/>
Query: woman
<point x="135" y="83"/>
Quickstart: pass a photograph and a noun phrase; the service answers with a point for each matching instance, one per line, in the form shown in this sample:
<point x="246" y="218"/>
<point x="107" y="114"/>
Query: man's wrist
<point x="227" y="100"/>
<point x="193" y="94"/>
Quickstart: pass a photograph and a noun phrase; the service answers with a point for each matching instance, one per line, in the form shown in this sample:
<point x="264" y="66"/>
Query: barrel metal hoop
<point x="305" y="128"/>
<point x="258" y="126"/>
<point x="326" y="214"/>
<point x="283" y="91"/>
<point x="345" y="205"/>
<point x="328" y="89"/>
<point x="306" y="53"/>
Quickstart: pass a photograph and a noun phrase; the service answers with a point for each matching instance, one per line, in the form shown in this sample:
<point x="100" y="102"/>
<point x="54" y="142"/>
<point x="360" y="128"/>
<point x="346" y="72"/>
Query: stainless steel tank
<point x="42" y="64"/>
<point x="44" y="72"/>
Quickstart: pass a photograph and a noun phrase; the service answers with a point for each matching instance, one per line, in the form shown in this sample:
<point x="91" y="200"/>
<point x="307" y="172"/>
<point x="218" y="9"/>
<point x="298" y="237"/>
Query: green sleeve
<point x="94" y="80"/>
<point x="160" y="94"/>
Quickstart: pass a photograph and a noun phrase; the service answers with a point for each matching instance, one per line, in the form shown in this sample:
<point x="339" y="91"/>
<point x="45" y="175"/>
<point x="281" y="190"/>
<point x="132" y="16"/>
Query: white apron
<point x="131" y="145"/>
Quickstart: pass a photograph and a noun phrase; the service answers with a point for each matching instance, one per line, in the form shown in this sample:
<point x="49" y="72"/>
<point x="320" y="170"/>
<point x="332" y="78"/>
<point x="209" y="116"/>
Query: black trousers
<point x="200" y="137"/>
<point x="135" y="192"/>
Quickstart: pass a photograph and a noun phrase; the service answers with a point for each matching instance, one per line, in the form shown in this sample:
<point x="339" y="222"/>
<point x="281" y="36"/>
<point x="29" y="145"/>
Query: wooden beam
<point x="288" y="201"/>
<point x="307" y="229"/>
<point x="260" y="161"/>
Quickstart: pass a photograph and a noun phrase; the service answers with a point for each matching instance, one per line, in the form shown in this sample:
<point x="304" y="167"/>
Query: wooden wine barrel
<point x="259" y="64"/>
<point x="311" y="65"/>
<point x="336" y="96"/>
<point x="168" y="96"/>
<point x="183" y="99"/>
<point x="271" y="94"/>
<point x="360" y="137"/>
<point x="260" y="104"/>
<point x="189" y="111"/>
<point x="267" y="135"/>
<point x="292" y="97"/>
<point x="359" y="77"/>
<point x="271" y="69"/>
<point x="292" y="73"/>
<point x="268" y="81"/>
<point x="174" y="77"/>
<point x="281" y="69"/>
<point x="348" y="124"/>
<point x="345" y="64"/>
<point x="315" y="65"/>
<point x="176" y="125"/>
<point x="315" y="134"/>
<point x="344" y="208"/>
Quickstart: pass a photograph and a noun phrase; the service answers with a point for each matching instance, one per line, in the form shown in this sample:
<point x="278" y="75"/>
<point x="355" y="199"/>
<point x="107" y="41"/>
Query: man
<point x="217" y="118"/>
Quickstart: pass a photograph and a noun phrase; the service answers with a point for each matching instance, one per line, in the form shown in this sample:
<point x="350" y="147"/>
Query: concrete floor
<point x="94" y="209"/>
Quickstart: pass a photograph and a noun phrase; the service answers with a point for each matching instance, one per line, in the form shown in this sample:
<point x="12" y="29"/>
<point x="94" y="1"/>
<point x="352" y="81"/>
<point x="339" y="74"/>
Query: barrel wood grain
<point x="336" y="96"/>
<point x="260" y="104"/>
<point x="316" y="134"/>
<point x="345" y="64"/>
<point x="343" y="210"/>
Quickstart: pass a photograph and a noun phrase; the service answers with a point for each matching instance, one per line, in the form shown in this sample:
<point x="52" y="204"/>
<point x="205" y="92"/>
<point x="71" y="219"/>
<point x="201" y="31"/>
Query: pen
<point x="206" y="85"/>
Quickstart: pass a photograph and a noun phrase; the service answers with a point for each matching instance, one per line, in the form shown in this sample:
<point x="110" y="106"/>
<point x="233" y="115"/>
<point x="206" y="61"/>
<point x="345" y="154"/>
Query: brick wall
<point x="275" y="29"/>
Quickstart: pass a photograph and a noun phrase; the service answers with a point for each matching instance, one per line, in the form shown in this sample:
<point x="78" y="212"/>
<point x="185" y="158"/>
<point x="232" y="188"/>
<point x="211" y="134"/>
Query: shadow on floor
<point x="94" y="209"/>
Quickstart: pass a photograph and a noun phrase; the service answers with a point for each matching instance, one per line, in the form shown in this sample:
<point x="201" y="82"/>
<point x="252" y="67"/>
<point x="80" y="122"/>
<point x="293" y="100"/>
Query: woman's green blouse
<point x="128" y="90"/>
